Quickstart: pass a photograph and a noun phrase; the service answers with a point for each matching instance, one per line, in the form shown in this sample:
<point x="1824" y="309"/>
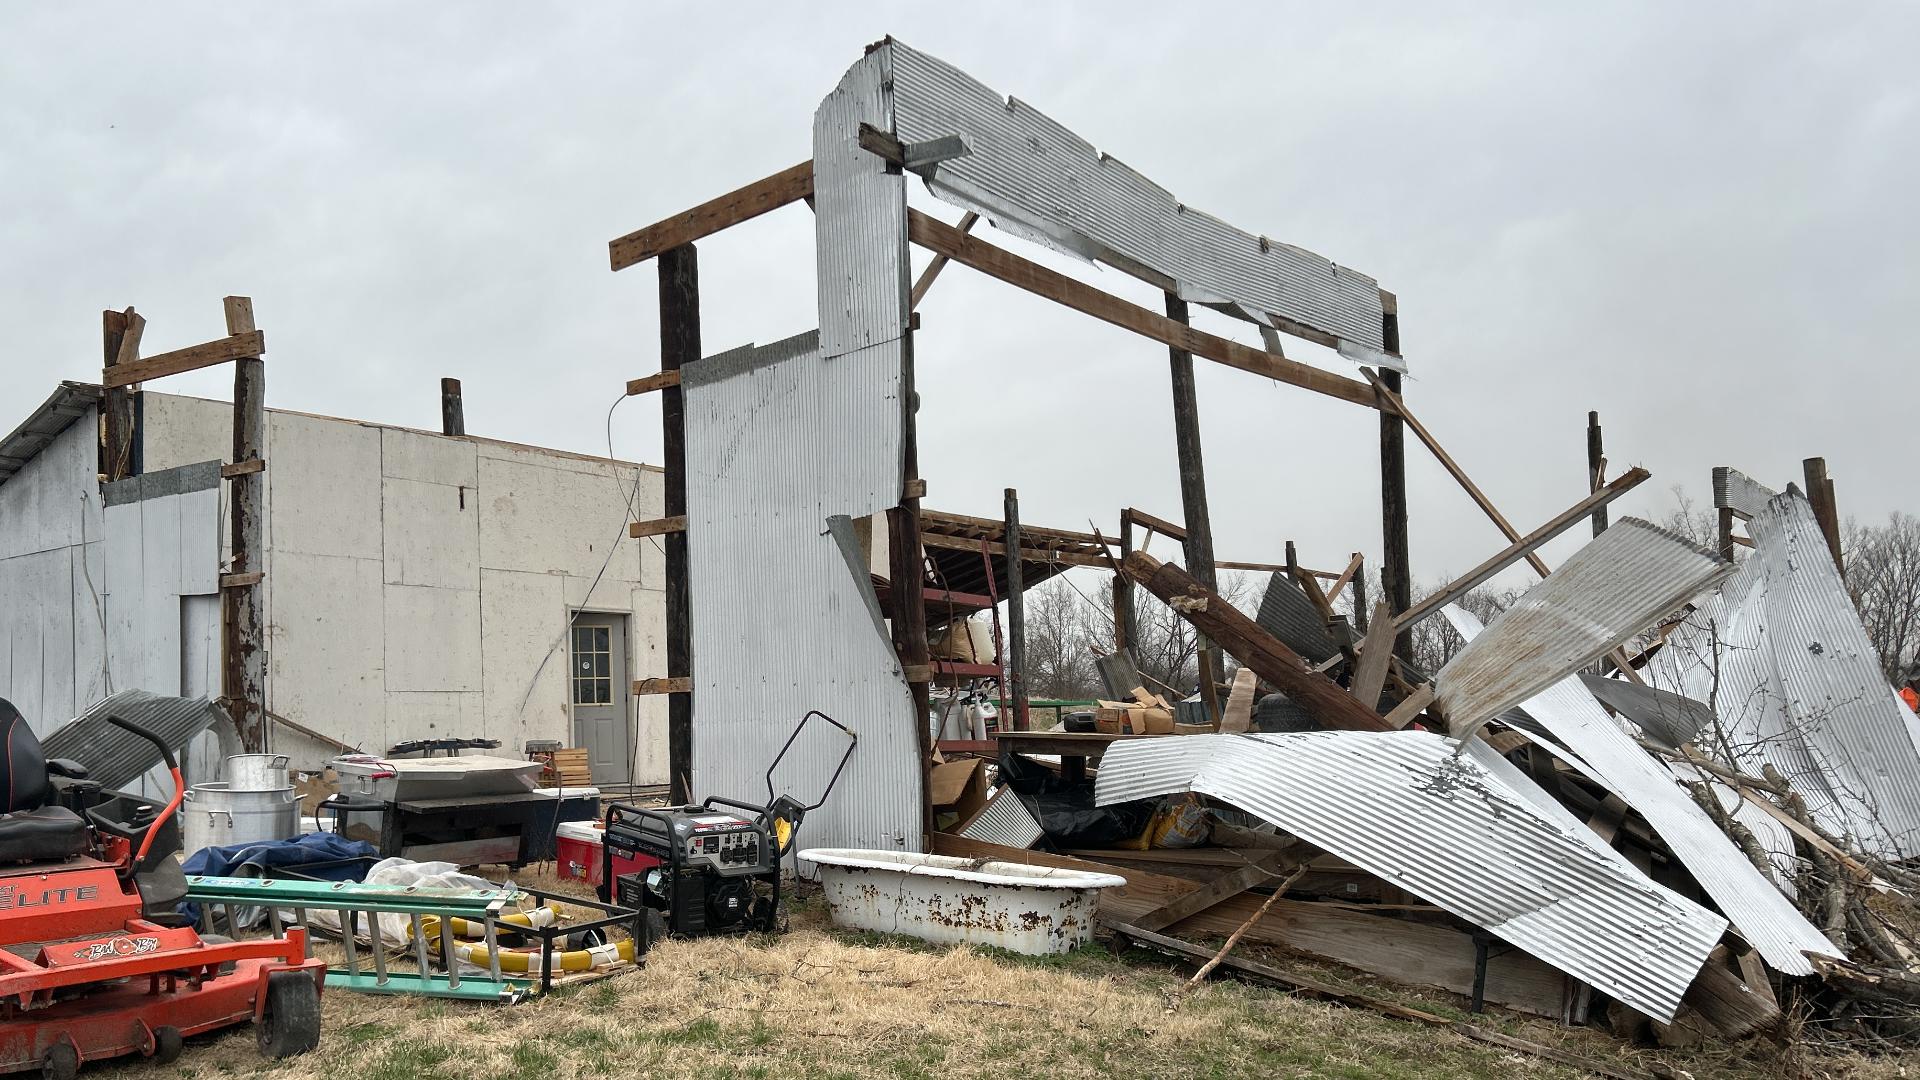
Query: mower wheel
<point x="167" y="1045"/>
<point x="61" y="1062"/>
<point x="291" y="1021"/>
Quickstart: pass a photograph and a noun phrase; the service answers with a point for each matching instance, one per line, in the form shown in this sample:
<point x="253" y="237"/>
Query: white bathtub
<point x="1027" y="909"/>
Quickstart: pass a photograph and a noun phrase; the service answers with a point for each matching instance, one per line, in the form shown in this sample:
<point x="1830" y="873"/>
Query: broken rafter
<point x="1524" y="547"/>
<point x="939" y="263"/>
<point x="944" y="239"/>
<point x="1253" y="646"/>
<point x="235" y="347"/>
<point x="787" y="186"/>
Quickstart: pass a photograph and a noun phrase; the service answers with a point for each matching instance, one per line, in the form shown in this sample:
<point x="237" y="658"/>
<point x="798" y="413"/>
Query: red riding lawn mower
<point x="94" y="962"/>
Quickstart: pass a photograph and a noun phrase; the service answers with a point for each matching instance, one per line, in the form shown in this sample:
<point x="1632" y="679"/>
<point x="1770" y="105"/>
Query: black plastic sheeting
<point x="1065" y="808"/>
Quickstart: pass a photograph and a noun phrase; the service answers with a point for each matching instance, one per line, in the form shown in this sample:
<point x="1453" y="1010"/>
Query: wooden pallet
<point x="569" y="768"/>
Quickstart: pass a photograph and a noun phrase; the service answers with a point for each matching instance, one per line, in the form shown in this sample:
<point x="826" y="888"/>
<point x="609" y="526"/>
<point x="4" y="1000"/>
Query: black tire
<point x="290" y="1023"/>
<point x="61" y="1062"/>
<point x="167" y="1045"/>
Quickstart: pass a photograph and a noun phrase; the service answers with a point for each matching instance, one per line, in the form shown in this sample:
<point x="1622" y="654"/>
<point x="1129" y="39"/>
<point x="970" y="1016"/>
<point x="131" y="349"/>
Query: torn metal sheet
<point x="1006" y="819"/>
<point x="1452" y="831"/>
<point x="1662" y="716"/>
<point x="781" y="443"/>
<point x="118" y="758"/>
<point x="1764" y="916"/>
<point x="1736" y="491"/>
<point x="1035" y="178"/>
<point x="1611" y="589"/>
<point x="1781" y="656"/>
<point x="1287" y="614"/>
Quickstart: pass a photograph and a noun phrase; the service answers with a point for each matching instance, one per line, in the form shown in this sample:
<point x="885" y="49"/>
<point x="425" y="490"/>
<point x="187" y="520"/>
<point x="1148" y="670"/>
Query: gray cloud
<point x="1696" y="219"/>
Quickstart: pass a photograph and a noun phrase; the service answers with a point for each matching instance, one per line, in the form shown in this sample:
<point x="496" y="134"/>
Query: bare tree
<point x="1883" y="570"/>
<point x="1434" y="639"/>
<point x="1697" y="525"/>
<point x="1067" y="625"/>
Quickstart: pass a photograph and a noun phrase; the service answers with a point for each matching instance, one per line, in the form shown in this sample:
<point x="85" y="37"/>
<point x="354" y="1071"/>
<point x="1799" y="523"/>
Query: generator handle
<point x="852" y="741"/>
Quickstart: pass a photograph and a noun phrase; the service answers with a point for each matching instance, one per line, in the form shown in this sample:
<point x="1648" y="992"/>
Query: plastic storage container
<point x="577" y="850"/>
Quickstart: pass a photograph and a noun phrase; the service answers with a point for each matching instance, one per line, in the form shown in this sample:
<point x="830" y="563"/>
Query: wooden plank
<point x="1219" y="890"/>
<point x="658" y="381"/>
<point x="1267" y="567"/>
<point x="1522" y="548"/>
<point x="1410" y="707"/>
<point x="658" y="526"/>
<point x="682" y="684"/>
<point x="1016" y="668"/>
<point x="241" y="581"/>
<point x="1596" y="468"/>
<point x="234" y="347"/>
<point x="1246" y="641"/>
<point x="939" y="263"/>
<point x="119" y="435"/>
<point x="915" y="488"/>
<point x="1030" y="552"/>
<point x="242" y="468"/>
<point x="884" y="145"/>
<point x="1198" y="543"/>
<point x="1376" y="654"/>
<point x="743" y="204"/>
<point x="944" y="239"/>
<point x="1353" y="567"/>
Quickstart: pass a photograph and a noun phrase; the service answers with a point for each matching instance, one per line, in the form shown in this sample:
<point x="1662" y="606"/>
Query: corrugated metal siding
<point x="1005" y="820"/>
<point x="1404" y="807"/>
<point x="1612" y="588"/>
<point x="1737" y="491"/>
<point x="780" y="440"/>
<point x="117" y="758"/>
<point x="1799" y="685"/>
<point x="1029" y="172"/>
<point x="68" y="403"/>
<point x="1287" y="614"/>
<point x="1764" y="916"/>
<point x="1661" y="715"/>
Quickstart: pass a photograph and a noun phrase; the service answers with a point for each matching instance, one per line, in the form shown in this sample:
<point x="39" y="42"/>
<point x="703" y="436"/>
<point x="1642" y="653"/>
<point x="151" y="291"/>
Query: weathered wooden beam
<point x="1244" y="639"/>
<point x="120" y="338"/>
<point x="1198" y="544"/>
<point x="744" y="204"/>
<point x="1522" y="548"/>
<point x="245" y="681"/>
<point x="248" y="345"/>
<point x="1016" y="665"/>
<point x="1396" y="565"/>
<point x="939" y="263"/>
<point x="1353" y="567"/>
<point x="1596" y="468"/>
<point x="944" y="239"/>
<point x="1376" y="654"/>
<point x="1212" y="894"/>
<point x="679" y="345"/>
<point x="648" y="384"/>
<point x="1160" y="525"/>
<point x="1825" y="510"/>
<point x="681" y="685"/>
<point x="242" y="468"/>
<point x="658" y="526"/>
<point x="1037" y="554"/>
<point x="453" y="410"/>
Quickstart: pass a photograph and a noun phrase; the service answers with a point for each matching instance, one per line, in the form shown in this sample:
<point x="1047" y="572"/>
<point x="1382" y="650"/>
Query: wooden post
<point x="679" y="345"/>
<point x="119" y="446"/>
<point x="1596" y="468"/>
<point x="1123" y="589"/>
<point x="1193" y="497"/>
<point x="907" y="584"/>
<point x="1396" y="575"/>
<point x="453" y="414"/>
<point x="1016" y="615"/>
<point x="1360" y="599"/>
<point x="1825" y="510"/>
<point x="1726" y="533"/>
<point x="246" y="639"/>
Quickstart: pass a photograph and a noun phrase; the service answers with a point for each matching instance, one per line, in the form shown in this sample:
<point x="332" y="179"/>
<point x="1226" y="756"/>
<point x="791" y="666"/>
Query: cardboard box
<point x="1127" y="718"/>
<point x="957" y="788"/>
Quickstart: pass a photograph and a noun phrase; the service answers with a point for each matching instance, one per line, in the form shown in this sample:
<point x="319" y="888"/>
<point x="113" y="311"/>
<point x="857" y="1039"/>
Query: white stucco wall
<point x="418" y="586"/>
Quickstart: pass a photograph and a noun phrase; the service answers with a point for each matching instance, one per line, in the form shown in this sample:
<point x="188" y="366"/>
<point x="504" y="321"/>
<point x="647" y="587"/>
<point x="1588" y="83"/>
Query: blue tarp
<point x="310" y="854"/>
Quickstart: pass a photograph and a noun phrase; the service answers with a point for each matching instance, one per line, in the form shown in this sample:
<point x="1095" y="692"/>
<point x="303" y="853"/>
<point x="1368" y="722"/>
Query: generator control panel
<point x="725" y="843"/>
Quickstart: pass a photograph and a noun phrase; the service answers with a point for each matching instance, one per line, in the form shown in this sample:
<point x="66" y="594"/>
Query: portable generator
<point x="711" y="867"/>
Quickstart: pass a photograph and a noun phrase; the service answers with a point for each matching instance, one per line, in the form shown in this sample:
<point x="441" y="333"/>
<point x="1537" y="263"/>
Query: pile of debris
<point x="1707" y="838"/>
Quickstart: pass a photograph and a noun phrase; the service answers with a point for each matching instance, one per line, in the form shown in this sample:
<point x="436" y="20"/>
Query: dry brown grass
<point x="820" y="1003"/>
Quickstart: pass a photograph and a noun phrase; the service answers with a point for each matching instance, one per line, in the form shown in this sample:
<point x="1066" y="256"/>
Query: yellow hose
<point x="530" y="920"/>
<point x="528" y="963"/>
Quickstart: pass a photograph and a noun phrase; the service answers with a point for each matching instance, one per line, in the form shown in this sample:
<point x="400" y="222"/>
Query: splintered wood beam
<point x="1253" y="646"/>
<point x="658" y="526"/>
<point x="1353" y="567"/>
<point x="1028" y="552"/>
<point x="944" y="239"/>
<point x="682" y="685"/>
<point x="236" y="347"/>
<point x="1160" y="525"/>
<point x="1522" y="548"/>
<point x="787" y="186"/>
<point x="939" y="263"/>
<point x="658" y="381"/>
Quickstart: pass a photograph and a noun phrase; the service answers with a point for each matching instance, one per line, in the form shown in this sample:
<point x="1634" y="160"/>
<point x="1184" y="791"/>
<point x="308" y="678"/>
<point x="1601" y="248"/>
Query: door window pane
<point x="592" y="665"/>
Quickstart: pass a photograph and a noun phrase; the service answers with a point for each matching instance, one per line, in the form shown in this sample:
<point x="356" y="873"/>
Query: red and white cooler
<point x="576" y="850"/>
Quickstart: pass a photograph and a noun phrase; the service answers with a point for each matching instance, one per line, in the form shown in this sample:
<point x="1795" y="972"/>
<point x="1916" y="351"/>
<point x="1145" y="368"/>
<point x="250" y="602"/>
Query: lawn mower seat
<point x="30" y="829"/>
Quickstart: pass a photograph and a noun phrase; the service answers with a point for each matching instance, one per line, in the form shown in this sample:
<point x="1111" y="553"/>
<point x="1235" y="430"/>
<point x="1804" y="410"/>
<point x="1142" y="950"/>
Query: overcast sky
<point x="1697" y="218"/>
